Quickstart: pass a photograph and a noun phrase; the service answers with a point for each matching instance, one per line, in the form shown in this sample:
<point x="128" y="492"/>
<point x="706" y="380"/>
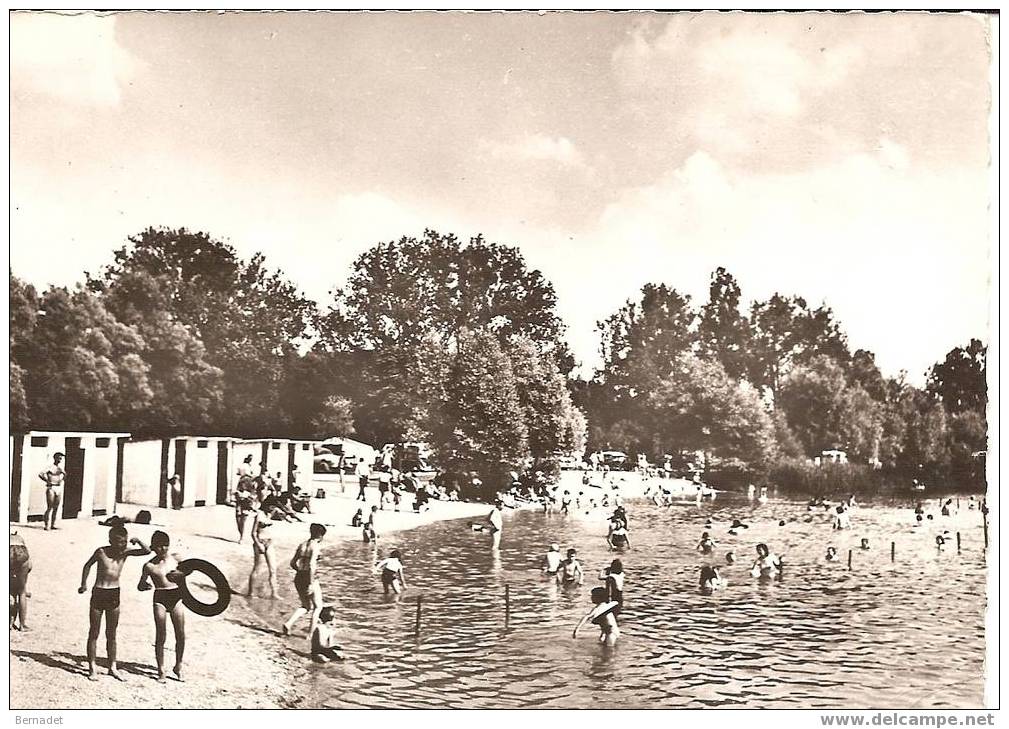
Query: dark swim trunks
<point x="389" y="577"/>
<point x="105" y="598"/>
<point x="619" y="540"/>
<point x="168" y="596"/>
<point x="303" y="584"/>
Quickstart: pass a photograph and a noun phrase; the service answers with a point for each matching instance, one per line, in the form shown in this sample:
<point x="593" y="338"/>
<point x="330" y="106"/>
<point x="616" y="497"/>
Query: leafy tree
<point x="335" y="420"/>
<point x="187" y="392"/>
<point x="959" y="380"/>
<point x="249" y="319"/>
<point x="862" y="370"/>
<point x="967" y="434"/>
<point x="85" y="369"/>
<point x="699" y="407"/>
<point x="479" y="425"/>
<point x="786" y="333"/>
<point x="544" y="398"/>
<point x="401" y="293"/>
<point x="825" y="412"/>
<point x="23" y="308"/>
<point x="724" y="333"/>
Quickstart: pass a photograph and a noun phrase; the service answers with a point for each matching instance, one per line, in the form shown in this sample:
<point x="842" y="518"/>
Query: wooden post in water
<point x="507" y="604"/>
<point x="893" y="551"/>
<point x="958" y="541"/>
<point x="416" y="625"/>
<point x="984" y="520"/>
<point x="849" y="560"/>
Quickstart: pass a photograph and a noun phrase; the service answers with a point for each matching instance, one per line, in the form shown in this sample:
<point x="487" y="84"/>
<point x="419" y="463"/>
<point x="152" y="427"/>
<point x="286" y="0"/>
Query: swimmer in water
<point x="767" y="563"/>
<point x="566" y="502"/>
<point x="552" y="560"/>
<point x="736" y="526"/>
<point x="865" y="543"/>
<point x="609" y="630"/>
<point x="570" y="572"/>
<point x="831" y="554"/>
<point x="710" y="579"/>
<point x="730" y="557"/>
<point x="940" y="541"/>
<point x="947" y="508"/>
<point x="617" y="537"/>
<point x="707" y="544"/>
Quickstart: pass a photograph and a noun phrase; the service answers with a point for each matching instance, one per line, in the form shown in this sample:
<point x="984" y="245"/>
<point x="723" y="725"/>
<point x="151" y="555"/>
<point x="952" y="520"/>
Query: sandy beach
<point x="236" y="660"/>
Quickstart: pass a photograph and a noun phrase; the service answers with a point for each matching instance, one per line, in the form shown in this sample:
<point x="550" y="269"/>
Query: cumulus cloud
<point x="898" y="251"/>
<point x="74" y="58"/>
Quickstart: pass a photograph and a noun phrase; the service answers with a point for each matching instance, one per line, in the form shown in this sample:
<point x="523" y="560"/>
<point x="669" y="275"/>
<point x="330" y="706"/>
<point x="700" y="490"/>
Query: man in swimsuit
<point x="20" y="566"/>
<point x="105" y="594"/>
<point x="363" y="472"/>
<point x="552" y="560"/>
<point x="306" y="581"/>
<point x="494" y="519"/>
<point x="53" y="477"/>
<point x="162" y="570"/>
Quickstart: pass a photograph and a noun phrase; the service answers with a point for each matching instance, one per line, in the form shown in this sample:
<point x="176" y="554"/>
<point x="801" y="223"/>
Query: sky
<point x="840" y="157"/>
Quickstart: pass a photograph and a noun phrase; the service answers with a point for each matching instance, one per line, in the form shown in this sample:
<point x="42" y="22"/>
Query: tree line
<point x="773" y="387"/>
<point x="458" y="344"/>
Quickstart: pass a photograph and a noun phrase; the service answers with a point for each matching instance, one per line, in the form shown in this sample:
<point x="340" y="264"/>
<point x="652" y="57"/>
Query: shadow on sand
<point x="78" y="664"/>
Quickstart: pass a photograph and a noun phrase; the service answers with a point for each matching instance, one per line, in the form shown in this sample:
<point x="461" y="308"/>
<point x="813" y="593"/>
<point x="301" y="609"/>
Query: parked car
<point x="616" y="460"/>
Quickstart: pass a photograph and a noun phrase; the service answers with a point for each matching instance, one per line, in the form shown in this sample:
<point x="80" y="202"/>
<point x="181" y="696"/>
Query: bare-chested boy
<point x="53" y="477"/>
<point x="162" y="570"/>
<point x="306" y="581"/>
<point x="105" y="594"/>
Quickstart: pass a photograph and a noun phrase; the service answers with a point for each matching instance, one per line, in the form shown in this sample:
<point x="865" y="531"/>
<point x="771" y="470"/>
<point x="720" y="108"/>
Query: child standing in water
<point x="368" y="530"/>
<point x="552" y="560"/>
<point x="609" y="630"/>
<point x="324" y="645"/>
<point x="392" y="573"/>
<point x="162" y="570"/>
<point x="105" y="594"/>
<point x="710" y="579"/>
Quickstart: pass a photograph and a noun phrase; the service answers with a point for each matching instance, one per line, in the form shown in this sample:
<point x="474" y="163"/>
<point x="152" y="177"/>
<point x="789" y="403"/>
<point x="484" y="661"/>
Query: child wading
<point x="603" y="616"/>
<point x="105" y="594"/>
<point x="392" y="573"/>
<point x="162" y="570"/>
<point x="324" y="646"/>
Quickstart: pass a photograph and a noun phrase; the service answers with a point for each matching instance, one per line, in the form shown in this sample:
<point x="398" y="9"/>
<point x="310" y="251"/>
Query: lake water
<point x="885" y="635"/>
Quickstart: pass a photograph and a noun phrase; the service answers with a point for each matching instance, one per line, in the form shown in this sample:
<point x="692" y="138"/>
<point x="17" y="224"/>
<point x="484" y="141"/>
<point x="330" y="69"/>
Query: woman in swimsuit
<point x="162" y="570"/>
<point x="766" y="564"/>
<point x="53" y="477"/>
<point x="609" y="630"/>
<point x="262" y="550"/>
<point x="244" y="504"/>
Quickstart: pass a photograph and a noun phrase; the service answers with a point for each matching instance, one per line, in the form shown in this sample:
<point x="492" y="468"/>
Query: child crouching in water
<point x="711" y="580"/>
<point x="609" y="631"/>
<point x="324" y="645"/>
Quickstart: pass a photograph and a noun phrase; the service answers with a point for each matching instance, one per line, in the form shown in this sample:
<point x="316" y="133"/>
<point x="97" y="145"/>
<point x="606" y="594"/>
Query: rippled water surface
<point x="904" y="634"/>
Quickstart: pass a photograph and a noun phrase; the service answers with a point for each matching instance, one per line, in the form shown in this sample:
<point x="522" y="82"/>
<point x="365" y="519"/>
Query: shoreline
<point x="237" y="660"/>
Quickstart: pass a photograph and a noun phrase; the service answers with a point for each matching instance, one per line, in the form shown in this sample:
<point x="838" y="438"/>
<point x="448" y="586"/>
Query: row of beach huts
<point x="104" y="470"/>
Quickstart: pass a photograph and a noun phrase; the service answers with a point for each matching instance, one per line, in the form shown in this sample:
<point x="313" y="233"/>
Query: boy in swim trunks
<point x="570" y="572"/>
<point x="20" y="566"/>
<point x="306" y="581"/>
<point x="105" y="594"/>
<point x="53" y="477"/>
<point x="162" y="570"/>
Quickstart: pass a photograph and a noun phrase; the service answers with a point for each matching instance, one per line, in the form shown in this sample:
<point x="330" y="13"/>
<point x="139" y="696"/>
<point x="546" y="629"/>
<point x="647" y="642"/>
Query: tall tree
<point x="479" y="425"/>
<point x="824" y="411"/>
<point x="544" y="399"/>
<point x="249" y="319"/>
<point x="23" y="309"/>
<point x="723" y="332"/>
<point x="959" y="380"/>
<point x="699" y="407"/>
<point x="786" y="333"/>
<point x="85" y="369"/>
